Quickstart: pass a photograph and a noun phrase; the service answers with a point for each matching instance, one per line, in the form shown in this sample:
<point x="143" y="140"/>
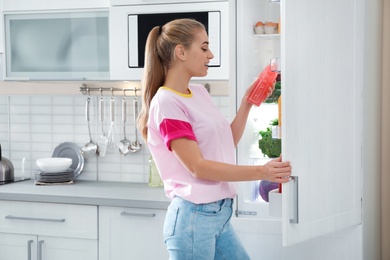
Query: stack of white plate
<point x="64" y="150"/>
<point x="55" y="177"/>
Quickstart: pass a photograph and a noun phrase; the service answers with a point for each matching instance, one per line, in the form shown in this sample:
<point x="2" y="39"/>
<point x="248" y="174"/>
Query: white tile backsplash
<point x="32" y="126"/>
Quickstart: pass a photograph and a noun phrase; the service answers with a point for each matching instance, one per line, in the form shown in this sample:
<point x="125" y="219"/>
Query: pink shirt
<point x="194" y="116"/>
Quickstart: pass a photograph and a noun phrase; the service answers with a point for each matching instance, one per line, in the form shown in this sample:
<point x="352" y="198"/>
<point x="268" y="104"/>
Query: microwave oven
<point x="131" y="24"/>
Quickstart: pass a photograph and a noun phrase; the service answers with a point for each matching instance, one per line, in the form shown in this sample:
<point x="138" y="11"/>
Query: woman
<point x="193" y="145"/>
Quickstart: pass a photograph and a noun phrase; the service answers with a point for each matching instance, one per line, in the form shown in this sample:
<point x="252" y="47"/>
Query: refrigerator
<point x="320" y="49"/>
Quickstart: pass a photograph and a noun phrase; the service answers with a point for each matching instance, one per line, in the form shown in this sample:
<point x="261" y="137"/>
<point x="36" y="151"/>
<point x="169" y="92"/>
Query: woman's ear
<point x="180" y="52"/>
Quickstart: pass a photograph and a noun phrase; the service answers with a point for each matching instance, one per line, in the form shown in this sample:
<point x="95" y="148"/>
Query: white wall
<point x="33" y="124"/>
<point x="371" y="131"/>
<point x="385" y="181"/>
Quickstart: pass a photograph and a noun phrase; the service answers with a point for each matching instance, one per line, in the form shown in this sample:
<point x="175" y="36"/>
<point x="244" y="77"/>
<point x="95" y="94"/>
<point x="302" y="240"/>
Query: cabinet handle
<point x="149" y="215"/>
<point x="295" y="219"/>
<point x="29" y="245"/>
<point x="40" y="242"/>
<point x="57" y="79"/>
<point x="35" y="219"/>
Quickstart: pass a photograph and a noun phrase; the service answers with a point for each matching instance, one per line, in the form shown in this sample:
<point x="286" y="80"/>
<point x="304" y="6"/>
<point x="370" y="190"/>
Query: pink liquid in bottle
<point x="264" y="81"/>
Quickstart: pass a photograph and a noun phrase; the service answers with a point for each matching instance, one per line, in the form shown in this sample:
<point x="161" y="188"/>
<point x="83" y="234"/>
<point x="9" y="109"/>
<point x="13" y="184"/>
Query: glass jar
<point x="154" y="176"/>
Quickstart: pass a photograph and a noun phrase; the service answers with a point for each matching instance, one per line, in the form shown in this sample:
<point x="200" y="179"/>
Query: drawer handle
<point x="40" y="243"/>
<point x="149" y="215"/>
<point x="29" y="244"/>
<point x="35" y="219"/>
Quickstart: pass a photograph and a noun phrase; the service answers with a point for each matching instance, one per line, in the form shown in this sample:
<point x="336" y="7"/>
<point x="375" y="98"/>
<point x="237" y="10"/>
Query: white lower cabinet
<point x="46" y="231"/>
<point x="18" y="247"/>
<point x="131" y="233"/>
<point x="29" y="247"/>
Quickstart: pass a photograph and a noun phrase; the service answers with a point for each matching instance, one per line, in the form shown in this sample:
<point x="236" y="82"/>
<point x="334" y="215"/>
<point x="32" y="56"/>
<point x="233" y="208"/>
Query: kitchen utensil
<point x="90" y="148"/>
<point x="71" y="150"/>
<point x="103" y="140"/>
<point x="6" y="169"/>
<point x="124" y="145"/>
<point x="54" y="165"/>
<point x="136" y="145"/>
<point x="112" y="132"/>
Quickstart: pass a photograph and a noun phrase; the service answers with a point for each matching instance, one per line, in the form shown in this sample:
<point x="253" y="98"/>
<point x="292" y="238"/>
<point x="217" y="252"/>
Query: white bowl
<point x="54" y="164"/>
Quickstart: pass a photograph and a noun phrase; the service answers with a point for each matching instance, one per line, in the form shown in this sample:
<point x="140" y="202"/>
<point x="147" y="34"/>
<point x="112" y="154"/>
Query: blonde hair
<point x="159" y="54"/>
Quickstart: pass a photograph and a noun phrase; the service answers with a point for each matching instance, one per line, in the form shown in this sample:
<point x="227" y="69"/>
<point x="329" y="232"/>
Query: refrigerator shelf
<point x="274" y="36"/>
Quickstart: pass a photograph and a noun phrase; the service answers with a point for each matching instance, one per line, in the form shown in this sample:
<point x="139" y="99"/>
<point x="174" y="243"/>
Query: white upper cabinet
<point x="57" y="45"/>
<point x="34" y="5"/>
<point x="321" y="51"/>
<point x="48" y="34"/>
<point x="1" y="35"/>
<point x="145" y="2"/>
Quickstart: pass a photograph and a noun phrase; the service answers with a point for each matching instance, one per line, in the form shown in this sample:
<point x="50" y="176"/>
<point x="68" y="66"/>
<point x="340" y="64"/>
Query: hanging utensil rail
<point x="84" y="89"/>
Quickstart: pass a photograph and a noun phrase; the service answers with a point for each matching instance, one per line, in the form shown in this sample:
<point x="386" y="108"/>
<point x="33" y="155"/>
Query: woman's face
<point x="199" y="55"/>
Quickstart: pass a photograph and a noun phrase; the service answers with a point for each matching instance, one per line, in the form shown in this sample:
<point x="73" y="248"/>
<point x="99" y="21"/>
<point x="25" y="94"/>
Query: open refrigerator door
<point x="258" y="48"/>
<point x="321" y="86"/>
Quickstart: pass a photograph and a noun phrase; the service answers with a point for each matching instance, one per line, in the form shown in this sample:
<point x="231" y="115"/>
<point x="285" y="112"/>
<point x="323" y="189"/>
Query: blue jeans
<point x="201" y="231"/>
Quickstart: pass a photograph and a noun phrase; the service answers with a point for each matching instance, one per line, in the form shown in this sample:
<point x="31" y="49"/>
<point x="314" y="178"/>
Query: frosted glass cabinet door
<point x="57" y="46"/>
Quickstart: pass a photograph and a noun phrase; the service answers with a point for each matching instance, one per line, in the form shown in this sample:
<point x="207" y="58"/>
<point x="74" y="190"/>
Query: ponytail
<point x="154" y="77"/>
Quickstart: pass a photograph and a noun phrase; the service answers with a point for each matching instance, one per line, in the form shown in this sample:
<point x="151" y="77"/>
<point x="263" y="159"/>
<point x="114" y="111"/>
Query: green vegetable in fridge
<point x="273" y="98"/>
<point x="270" y="147"/>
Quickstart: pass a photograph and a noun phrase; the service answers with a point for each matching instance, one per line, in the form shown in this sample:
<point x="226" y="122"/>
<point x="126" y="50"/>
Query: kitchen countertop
<point x="99" y="193"/>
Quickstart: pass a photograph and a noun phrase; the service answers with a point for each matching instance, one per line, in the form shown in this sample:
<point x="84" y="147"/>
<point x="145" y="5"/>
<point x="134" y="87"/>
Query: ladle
<point x="124" y="145"/>
<point x="90" y="148"/>
<point x="136" y="145"/>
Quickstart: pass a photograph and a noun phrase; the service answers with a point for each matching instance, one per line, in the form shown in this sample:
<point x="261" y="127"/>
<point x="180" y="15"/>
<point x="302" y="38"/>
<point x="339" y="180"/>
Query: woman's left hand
<point x="248" y="90"/>
<point x="271" y="89"/>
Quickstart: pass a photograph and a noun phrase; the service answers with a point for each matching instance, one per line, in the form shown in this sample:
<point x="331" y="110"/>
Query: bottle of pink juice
<point x="262" y="84"/>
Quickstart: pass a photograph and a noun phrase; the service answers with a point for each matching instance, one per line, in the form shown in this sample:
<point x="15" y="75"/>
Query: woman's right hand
<point x="277" y="171"/>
